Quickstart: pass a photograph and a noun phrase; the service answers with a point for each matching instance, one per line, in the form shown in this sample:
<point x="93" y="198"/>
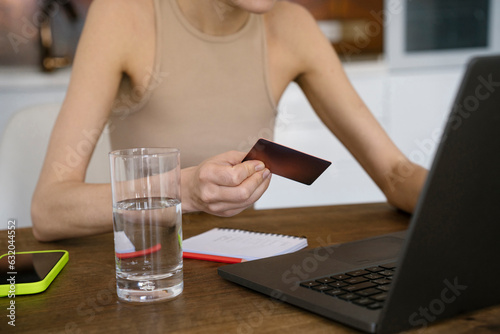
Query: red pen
<point x="214" y="258"/>
<point x="139" y="253"/>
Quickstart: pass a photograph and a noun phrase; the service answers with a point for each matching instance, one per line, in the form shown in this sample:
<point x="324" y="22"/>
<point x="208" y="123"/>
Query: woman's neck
<point x="214" y="17"/>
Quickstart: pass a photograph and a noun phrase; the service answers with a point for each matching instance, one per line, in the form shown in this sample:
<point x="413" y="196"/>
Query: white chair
<point x="22" y="151"/>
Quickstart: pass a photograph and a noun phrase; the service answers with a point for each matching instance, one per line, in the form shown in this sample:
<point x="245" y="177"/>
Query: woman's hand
<point x="223" y="185"/>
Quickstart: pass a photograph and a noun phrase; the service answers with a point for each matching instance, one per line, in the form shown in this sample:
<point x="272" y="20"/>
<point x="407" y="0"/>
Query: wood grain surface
<point x="82" y="299"/>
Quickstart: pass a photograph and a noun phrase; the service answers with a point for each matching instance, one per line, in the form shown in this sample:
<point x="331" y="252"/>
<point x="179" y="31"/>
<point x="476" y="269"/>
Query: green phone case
<point x="40" y="286"/>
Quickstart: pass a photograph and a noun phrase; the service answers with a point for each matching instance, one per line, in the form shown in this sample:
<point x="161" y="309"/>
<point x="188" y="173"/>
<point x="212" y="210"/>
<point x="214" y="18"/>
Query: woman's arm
<point x="63" y="205"/>
<point x="329" y="91"/>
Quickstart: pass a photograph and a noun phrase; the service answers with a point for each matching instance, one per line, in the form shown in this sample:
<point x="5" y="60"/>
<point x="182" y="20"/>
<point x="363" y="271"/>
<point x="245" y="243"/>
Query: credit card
<point x="287" y="162"/>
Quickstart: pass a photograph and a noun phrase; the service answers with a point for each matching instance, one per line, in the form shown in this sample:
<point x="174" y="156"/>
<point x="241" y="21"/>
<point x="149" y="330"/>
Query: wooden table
<point x="82" y="299"/>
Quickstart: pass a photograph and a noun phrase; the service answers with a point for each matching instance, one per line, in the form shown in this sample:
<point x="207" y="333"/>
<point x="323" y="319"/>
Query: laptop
<point x="446" y="263"/>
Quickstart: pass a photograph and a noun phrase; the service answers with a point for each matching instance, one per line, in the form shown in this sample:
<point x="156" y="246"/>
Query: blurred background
<point x="40" y="34"/>
<point x="405" y="58"/>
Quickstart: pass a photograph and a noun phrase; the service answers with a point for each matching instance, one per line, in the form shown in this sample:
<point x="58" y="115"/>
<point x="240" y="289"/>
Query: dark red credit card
<point x="287" y="162"/>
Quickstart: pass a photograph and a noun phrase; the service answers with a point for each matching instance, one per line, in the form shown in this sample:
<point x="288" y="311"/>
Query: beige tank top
<point x="206" y="95"/>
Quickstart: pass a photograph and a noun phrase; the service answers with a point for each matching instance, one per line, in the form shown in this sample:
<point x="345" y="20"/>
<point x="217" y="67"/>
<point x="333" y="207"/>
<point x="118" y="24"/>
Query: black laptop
<point x="447" y="263"/>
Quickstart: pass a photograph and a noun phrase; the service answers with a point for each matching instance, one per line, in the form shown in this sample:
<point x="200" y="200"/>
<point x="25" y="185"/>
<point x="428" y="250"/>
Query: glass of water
<point x="147" y="223"/>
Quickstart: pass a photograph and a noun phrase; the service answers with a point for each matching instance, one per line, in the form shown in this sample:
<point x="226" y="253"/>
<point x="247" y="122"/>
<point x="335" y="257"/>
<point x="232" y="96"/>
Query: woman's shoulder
<point x="116" y="27"/>
<point x="291" y="23"/>
<point x="292" y="26"/>
<point x="129" y="7"/>
<point x="127" y="16"/>
<point x="286" y="14"/>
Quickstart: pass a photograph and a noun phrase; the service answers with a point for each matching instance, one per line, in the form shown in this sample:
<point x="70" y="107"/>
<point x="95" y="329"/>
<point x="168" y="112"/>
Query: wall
<point x="23" y="87"/>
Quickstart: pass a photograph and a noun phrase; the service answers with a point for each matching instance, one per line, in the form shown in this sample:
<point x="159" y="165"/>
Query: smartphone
<point x="29" y="272"/>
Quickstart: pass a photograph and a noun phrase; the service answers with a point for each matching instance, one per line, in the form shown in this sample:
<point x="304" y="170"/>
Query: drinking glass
<point x="147" y="223"/>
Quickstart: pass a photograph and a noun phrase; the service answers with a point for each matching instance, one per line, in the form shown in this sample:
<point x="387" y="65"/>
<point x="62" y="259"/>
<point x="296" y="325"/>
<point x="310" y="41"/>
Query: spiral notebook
<point x="235" y="245"/>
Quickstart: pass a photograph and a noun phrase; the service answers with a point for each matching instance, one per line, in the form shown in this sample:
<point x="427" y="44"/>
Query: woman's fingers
<point x="223" y="185"/>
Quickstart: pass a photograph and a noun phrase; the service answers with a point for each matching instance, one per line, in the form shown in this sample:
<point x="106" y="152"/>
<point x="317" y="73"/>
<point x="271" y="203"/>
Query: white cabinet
<point x="411" y="105"/>
<point x="299" y="127"/>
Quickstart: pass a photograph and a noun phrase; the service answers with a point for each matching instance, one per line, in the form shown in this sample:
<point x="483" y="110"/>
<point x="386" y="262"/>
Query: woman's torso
<point x="204" y="94"/>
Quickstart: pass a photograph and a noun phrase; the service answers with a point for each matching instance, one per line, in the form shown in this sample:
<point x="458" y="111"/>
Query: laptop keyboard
<point x="365" y="287"/>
